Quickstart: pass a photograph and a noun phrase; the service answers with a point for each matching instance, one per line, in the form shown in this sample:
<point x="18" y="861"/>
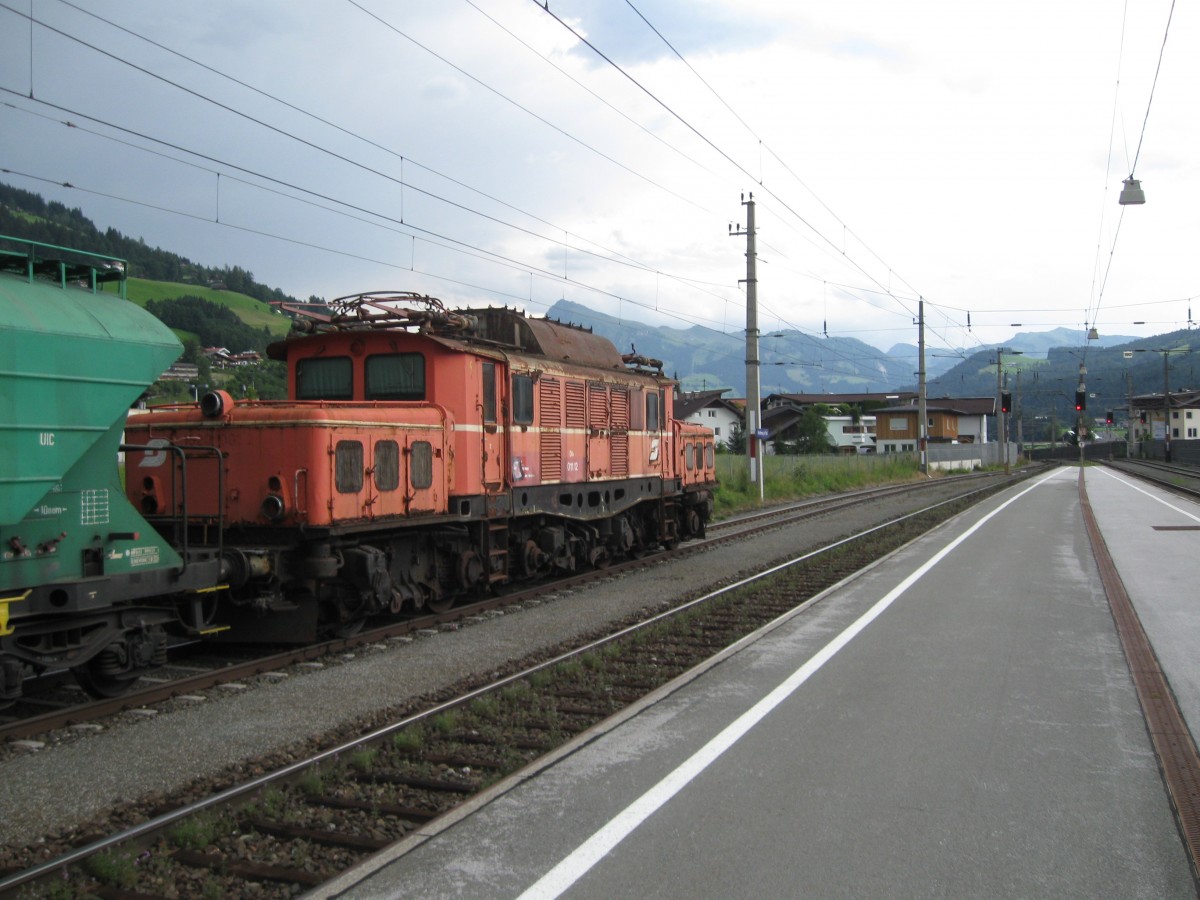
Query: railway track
<point x="65" y="706"/>
<point x="297" y="827"/>
<point x="1173" y="476"/>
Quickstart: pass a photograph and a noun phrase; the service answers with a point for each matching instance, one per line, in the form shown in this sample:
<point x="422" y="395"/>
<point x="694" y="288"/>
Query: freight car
<point x="85" y="582"/>
<point x="424" y="455"/>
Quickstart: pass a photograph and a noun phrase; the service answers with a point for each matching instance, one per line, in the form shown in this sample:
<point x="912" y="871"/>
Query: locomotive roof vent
<point x="544" y="337"/>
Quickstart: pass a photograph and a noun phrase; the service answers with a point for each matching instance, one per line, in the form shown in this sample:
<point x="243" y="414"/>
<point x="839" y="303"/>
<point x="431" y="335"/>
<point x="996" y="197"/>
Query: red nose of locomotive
<point x="268" y="464"/>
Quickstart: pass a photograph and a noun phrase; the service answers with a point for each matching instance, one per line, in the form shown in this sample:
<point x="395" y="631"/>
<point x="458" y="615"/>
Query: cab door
<point x="492" y="437"/>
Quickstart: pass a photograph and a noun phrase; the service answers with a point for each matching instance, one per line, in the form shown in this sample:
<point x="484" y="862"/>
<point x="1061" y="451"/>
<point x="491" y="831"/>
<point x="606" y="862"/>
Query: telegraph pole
<point x="923" y="430"/>
<point x="1166" y="411"/>
<point x="1129" y="412"/>
<point x="1018" y="413"/>
<point x="1001" y="436"/>
<point x="754" y="445"/>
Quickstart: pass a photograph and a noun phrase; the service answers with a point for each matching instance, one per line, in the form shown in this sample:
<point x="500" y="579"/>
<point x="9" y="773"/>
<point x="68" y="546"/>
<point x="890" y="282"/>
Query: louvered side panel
<point x="576" y="407"/>
<point x="550" y="417"/>
<point x="597" y="401"/>
<point x="550" y="403"/>
<point x="620" y="454"/>
<point x="620" y="409"/>
<point x="551" y="450"/>
<point x="619" y="400"/>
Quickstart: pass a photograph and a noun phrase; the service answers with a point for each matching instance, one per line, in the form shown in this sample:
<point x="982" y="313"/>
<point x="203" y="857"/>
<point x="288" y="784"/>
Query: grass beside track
<point x="794" y="477"/>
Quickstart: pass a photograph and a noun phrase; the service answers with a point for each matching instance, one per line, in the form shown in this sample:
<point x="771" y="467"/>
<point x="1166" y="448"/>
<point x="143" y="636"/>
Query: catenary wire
<point x="308" y="143"/>
<point x="615" y="257"/>
<point x="737" y="165"/>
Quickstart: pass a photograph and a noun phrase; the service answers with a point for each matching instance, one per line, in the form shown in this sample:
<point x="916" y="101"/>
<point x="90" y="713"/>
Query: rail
<point x="65" y="264"/>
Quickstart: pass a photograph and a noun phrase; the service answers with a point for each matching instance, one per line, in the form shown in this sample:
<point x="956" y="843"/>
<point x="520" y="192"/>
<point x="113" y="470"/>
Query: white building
<point x="710" y="409"/>
<point x="850" y="436"/>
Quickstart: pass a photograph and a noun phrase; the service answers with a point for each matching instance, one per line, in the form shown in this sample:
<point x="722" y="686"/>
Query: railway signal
<point x="1006" y="402"/>
<point x="1080" y="401"/>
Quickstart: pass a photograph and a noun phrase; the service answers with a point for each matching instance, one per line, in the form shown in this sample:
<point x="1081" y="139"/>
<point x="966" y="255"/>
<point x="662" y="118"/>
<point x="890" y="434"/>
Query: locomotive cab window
<point x="522" y="399"/>
<point x="420" y="467"/>
<point x="489" y="393"/>
<point x="348" y="462"/>
<point x="387" y="465"/>
<point x="325" y="378"/>
<point x="652" y="409"/>
<point x="396" y="376"/>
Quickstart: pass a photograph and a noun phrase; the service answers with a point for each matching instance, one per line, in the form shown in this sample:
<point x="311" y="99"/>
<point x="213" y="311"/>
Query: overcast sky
<point x="966" y="152"/>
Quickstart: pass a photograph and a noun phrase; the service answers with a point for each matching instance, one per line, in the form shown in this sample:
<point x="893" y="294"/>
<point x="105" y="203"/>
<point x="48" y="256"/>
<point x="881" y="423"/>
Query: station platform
<point x="958" y="720"/>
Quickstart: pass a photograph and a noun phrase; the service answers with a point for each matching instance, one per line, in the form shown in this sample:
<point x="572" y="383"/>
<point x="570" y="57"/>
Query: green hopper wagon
<point x="85" y="582"/>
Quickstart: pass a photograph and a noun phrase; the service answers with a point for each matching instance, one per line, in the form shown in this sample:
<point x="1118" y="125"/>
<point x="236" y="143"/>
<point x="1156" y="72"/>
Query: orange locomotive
<point x="425" y="455"/>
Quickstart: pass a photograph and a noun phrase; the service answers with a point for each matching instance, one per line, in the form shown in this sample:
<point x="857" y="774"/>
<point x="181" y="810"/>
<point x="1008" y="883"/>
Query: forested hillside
<point x="213" y="325"/>
<point x="27" y="215"/>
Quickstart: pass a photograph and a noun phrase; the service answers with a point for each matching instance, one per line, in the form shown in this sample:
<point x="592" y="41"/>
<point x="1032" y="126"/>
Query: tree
<point x="214" y="325"/>
<point x="737" y="439"/>
<point x="809" y="435"/>
<point x="192" y="351"/>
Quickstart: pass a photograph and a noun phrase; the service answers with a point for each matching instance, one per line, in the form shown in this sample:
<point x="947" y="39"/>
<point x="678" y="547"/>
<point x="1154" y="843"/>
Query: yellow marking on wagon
<point x="5" y="630"/>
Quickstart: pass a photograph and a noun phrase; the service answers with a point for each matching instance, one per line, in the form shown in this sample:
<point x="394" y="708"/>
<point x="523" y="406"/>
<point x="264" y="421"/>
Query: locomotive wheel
<point x="441" y="604"/>
<point x="351" y="628"/>
<point x="532" y="558"/>
<point x="343" y="613"/>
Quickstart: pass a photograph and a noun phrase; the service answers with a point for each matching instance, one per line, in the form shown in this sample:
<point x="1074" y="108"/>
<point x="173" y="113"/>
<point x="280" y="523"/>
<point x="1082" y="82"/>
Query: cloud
<point x="475" y="150"/>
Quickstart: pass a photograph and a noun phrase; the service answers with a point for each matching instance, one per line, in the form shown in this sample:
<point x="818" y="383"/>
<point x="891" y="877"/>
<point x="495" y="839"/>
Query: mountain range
<point x="794" y="362"/>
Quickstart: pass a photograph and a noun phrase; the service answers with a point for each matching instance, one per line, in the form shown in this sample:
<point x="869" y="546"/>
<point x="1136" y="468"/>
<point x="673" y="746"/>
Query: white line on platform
<point x="1182" y="512"/>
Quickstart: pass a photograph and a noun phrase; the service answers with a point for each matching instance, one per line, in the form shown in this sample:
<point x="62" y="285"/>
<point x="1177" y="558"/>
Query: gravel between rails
<point x="55" y="789"/>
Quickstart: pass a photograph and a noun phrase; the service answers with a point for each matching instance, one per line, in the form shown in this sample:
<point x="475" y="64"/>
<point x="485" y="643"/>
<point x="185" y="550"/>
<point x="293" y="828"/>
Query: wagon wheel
<point x="102" y="684"/>
<point x="112" y="671"/>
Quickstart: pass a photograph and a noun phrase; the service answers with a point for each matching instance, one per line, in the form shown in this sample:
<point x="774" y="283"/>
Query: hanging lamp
<point x="1132" y="195"/>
